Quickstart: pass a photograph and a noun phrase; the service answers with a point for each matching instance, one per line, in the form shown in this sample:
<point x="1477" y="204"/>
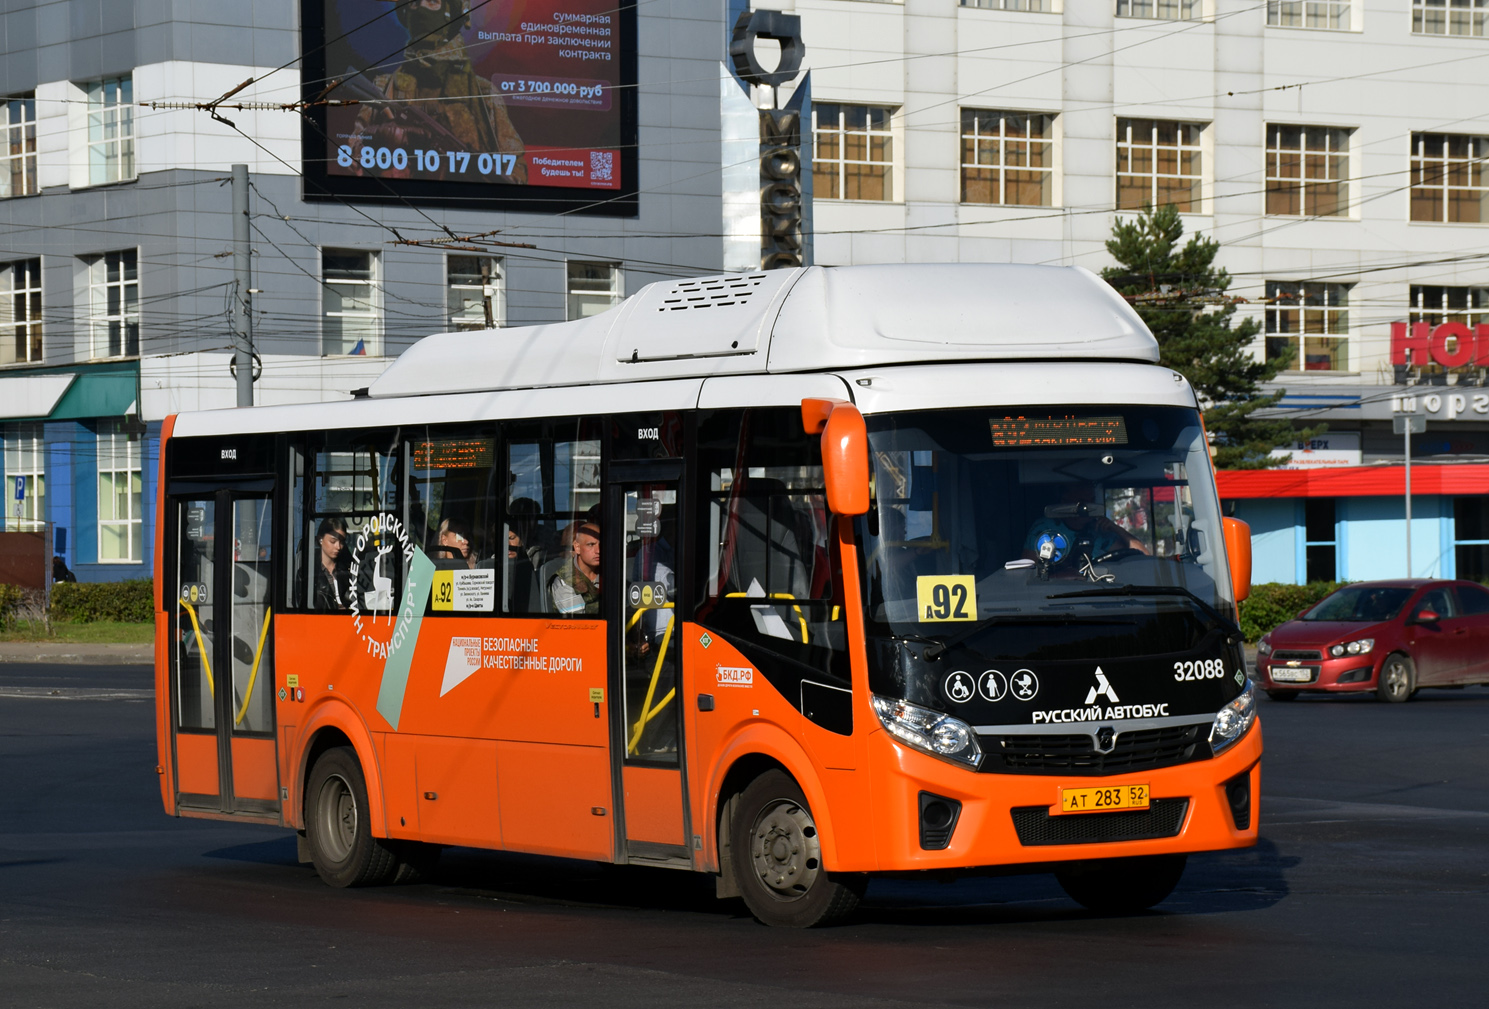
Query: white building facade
<point x="1334" y="149"/>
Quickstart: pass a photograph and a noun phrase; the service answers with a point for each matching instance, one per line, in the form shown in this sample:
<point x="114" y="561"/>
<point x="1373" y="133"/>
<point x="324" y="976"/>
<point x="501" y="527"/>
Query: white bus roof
<point x="783" y="321"/>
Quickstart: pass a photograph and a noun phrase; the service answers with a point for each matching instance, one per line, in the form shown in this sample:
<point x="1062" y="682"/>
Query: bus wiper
<point x="1233" y="632"/>
<point x="1002" y="618"/>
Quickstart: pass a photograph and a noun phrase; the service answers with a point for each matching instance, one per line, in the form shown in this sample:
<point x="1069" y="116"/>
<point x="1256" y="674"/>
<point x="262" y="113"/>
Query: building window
<point x="475" y="292"/>
<point x="1166" y="10"/>
<point x="1447" y="178"/>
<point x="114" y="299"/>
<point x="1007" y="157"/>
<point x="1435" y="304"/>
<point x="20" y="311"/>
<point x="1309" y="13"/>
<point x="1044" y="6"/>
<point x="1320" y="549"/>
<point x="1471" y="538"/>
<point x="120" y="499"/>
<point x="1307" y="170"/>
<point x="1158" y="162"/>
<point x="1315" y="314"/>
<point x="25" y="456"/>
<point x="1449" y="17"/>
<point x="110" y="130"/>
<point x="593" y="288"/>
<point x="351" y="308"/>
<point x="18" y="146"/>
<point x="852" y="152"/>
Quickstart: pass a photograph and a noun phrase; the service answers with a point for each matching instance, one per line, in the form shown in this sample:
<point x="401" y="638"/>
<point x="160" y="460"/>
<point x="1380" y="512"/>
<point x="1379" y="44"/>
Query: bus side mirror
<point x="1238" y="553"/>
<point x="845" y="452"/>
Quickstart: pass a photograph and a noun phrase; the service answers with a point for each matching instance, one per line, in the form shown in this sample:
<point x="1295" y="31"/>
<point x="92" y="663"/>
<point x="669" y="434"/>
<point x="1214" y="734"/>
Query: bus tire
<point x="1398" y="679"/>
<point x="342" y="847"/>
<point x="777" y="858"/>
<point x="417" y="861"/>
<point x="1121" y="885"/>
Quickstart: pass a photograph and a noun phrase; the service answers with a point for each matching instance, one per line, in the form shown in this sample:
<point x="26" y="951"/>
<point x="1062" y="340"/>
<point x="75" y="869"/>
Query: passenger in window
<point x="523" y="538"/>
<point x="454" y="542"/>
<point x="575" y="589"/>
<point x="332" y="577"/>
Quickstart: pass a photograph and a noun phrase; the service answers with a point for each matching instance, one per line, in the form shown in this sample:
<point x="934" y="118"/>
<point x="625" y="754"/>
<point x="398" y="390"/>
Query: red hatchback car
<point x="1390" y="637"/>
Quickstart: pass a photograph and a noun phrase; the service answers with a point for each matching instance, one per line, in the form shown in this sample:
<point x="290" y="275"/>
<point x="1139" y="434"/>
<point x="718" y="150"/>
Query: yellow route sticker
<point x="442" y="592"/>
<point x="944" y="598"/>
<point x="597" y="695"/>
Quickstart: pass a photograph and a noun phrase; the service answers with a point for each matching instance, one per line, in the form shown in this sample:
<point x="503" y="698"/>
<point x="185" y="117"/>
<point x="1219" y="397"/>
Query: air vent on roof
<point x="710" y="292"/>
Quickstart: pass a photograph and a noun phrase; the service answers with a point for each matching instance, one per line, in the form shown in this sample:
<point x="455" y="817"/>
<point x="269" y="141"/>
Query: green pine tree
<point x="1179" y="293"/>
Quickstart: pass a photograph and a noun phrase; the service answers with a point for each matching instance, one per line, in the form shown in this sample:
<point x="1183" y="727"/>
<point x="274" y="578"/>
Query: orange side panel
<point x="255" y="774"/>
<point x="457" y="791"/>
<point x="653" y="804"/>
<point x="548" y="794"/>
<point x="196" y="763"/>
<point x="400" y="784"/>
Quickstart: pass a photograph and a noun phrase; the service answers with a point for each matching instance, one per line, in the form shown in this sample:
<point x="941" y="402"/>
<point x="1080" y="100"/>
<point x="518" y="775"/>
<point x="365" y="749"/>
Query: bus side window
<point x="553" y="486"/>
<point x="769" y="558"/>
<point x="298" y="538"/>
<point x="449" y="510"/>
<point x="353" y="524"/>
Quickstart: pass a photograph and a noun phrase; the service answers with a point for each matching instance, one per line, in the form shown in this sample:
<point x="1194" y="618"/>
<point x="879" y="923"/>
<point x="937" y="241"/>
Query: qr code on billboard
<point x="601" y="165"/>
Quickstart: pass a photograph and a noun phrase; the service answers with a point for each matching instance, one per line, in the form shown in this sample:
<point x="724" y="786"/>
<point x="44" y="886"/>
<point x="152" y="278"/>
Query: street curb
<point x="74" y="652"/>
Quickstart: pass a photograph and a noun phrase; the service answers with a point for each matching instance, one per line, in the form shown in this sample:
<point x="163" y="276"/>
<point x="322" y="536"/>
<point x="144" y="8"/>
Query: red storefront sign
<point x="1452" y="344"/>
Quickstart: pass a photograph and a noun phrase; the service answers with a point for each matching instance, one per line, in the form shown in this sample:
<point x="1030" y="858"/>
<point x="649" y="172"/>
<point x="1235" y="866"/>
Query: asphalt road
<point x="1368" y="889"/>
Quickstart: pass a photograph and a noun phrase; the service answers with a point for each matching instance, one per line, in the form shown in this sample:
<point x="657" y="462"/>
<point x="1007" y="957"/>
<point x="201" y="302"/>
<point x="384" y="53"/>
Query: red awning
<point x="1353" y="481"/>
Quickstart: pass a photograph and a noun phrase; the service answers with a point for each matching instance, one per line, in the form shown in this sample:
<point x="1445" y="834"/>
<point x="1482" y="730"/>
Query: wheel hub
<point x="785" y="850"/>
<point x="338" y="817"/>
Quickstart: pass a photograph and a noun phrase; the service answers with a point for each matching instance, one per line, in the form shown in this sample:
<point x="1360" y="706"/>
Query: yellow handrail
<point x="647" y="712"/>
<point x="201" y="648"/>
<point x="777" y="595"/>
<point x="254" y="673"/>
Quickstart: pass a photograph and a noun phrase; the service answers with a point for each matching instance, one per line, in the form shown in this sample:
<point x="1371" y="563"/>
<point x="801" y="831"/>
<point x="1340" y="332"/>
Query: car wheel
<point x="1283" y="695"/>
<point x="1120" y="885"/>
<point x="1398" y="679"/>
<point x="778" y="859"/>
<point x="342" y="847"/>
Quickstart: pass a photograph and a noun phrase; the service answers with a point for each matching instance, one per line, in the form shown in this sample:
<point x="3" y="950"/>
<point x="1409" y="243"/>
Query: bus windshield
<point x="1044" y="532"/>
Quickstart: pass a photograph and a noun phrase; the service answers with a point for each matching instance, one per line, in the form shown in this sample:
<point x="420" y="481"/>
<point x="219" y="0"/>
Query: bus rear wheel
<point x="777" y="856"/>
<point x="342" y="847"/>
<point x="1120" y="885"/>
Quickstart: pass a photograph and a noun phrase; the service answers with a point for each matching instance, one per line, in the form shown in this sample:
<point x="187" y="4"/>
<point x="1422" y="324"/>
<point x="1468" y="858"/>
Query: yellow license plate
<point x="1101" y="800"/>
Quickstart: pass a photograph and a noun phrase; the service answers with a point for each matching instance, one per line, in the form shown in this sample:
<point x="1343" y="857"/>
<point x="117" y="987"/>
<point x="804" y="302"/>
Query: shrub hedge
<point x="85" y="602"/>
<point x="1273" y="603"/>
<point x="11" y="597"/>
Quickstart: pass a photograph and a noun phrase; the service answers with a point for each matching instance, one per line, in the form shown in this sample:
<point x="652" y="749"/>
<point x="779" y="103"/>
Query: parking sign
<point x="20" y="488"/>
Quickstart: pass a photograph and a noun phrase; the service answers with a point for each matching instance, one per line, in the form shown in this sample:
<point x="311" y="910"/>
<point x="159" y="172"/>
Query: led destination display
<point x="1055" y="432"/>
<point x="457" y="100"/>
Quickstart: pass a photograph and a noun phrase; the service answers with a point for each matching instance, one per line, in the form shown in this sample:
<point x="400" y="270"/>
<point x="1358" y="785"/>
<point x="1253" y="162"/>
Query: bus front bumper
<point x="1014" y="819"/>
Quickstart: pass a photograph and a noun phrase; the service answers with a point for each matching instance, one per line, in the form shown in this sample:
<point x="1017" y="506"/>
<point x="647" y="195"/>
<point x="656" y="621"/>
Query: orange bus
<point x="793" y="578"/>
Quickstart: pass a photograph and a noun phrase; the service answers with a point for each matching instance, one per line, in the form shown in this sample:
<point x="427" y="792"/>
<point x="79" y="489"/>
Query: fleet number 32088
<point x="1199" y="669"/>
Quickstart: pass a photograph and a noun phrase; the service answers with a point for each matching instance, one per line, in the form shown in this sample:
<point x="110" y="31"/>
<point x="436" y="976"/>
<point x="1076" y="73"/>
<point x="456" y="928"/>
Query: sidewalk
<point x="66" y="651"/>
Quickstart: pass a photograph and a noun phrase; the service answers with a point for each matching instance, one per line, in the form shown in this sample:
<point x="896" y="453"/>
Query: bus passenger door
<point x="646" y="729"/>
<point x="222" y="669"/>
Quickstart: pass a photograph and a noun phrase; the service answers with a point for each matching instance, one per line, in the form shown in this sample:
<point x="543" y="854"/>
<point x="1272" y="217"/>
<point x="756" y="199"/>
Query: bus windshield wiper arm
<point x="1000" y="618"/>
<point x="1231" y="628"/>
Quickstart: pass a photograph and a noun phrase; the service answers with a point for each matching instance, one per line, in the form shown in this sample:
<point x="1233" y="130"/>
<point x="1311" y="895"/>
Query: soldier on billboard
<point x="434" y="99"/>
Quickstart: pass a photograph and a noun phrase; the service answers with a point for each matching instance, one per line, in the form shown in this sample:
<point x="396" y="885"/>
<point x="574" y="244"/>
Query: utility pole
<point x="243" y="282"/>
<point x="1407" y="424"/>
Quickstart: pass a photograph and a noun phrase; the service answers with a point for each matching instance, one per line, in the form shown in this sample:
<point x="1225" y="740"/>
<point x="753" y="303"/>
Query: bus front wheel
<point x="1120" y="885"/>
<point x="342" y="847"/>
<point x="778" y="858"/>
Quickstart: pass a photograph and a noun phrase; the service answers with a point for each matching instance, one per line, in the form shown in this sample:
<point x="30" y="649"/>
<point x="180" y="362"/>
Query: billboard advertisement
<point x="492" y="104"/>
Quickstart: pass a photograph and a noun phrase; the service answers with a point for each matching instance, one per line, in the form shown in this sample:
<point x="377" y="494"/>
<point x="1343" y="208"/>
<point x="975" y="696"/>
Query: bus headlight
<point x="1232" y="721"/>
<point x="929" y="731"/>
